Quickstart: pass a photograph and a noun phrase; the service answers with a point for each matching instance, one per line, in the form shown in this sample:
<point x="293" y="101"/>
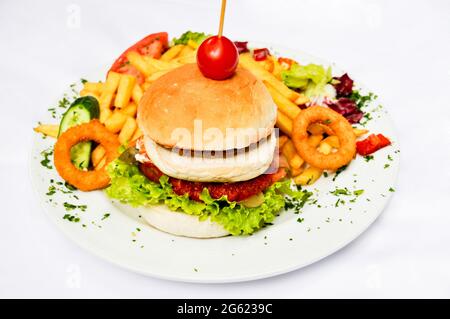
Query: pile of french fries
<point x="120" y="94"/>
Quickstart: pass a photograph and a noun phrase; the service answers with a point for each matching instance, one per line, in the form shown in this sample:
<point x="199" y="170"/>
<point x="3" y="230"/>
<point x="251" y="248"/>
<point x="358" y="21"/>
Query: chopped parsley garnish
<point x="325" y="174"/>
<point x="391" y="189"/>
<point x="362" y="100"/>
<point x="70" y="207"/>
<point x="341" y="191"/>
<point x="300" y="220"/>
<point x="63" y="103"/>
<point x="339" y="201"/>
<point x="358" y="192"/>
<point x="46" y="161"/>
<point x="297" y="204"/>
<point x="106" y="216"/>
<point x="71" y="218"/>
<point x="389" y="157"/>
<point x="83" y="81"/>
<point x="51" y="190"/>
<point x="368" y="158"/>
<point x="339" y="171"/>
<point x="386" y="166"/>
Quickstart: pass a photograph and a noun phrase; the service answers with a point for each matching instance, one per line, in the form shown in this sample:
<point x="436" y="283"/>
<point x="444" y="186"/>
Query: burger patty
<point x="235" y="192"/>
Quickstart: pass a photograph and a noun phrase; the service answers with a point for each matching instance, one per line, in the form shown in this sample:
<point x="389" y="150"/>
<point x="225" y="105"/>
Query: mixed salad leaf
<point x="311" y="78"/>
<point x="197" y="37"/>
<point x="130" y="186"/>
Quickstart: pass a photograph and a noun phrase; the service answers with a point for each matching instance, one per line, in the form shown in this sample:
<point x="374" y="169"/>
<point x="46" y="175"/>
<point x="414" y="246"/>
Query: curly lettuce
<point x="197" y="37"/>
<point x="130" y="186"/>
<point x="311" y="78"/>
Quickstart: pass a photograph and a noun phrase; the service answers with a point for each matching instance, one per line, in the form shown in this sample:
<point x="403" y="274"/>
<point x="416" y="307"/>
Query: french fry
<point x="276" y="67"/>
<point x="187" y="50"/>
<point x="140" y="63"/>
<point x="282" y="140"/>
<point x="309" y="176"/>
<point x="112" y="82"/>
<point x="100" y="164"/>
<point x="360" y="132"/>
<point x="137" y="134"/>
<point x="130" y="109"/>
<point x="333" y="140"/>
<point x="127" y="131"/>
<point x="146" y="84"/>
<point x="116" y="121"/>
<point x="318" y="128"/>
<point x="161" y="65"/>
<point x="301" y="99"/>
<point x="187" y="58"/>
<point x="84" y="92"/>
<point x="284" y="123"/>
<point x="267" y="64"/>
<point x="96" y="87"/>
<point x="297" y="171"/>
<point x="89" y="93"/>
<point x="294" y="160"/>
<point x="124" y="90"/>
<point x="314" y="140"/>
<point x="106" y="98"/>
<point x="48" y="129"/>
<point x="324" y="148"/>
<point x="137" y="93"/>
<point x="285" y="105"/>
<point x="247" y="61"/>
<point x="97" y="155"/>
<point x="156" y="75"/>
<point x="193" y="44"/>
<point x="172" y="53"/>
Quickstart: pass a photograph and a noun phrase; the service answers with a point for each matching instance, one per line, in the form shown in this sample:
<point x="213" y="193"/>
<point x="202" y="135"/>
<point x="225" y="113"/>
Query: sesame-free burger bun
<point x="178" y="98"/>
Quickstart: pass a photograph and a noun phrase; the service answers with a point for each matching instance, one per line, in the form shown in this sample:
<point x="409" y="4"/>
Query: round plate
<point x="117" y="233"/>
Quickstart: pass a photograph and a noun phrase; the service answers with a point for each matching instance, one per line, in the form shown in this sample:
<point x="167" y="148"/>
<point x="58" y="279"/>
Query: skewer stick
<point x="222" y="17"/>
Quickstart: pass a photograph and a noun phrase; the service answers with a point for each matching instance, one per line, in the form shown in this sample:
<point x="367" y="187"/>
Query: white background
<point x="398" y="49"/>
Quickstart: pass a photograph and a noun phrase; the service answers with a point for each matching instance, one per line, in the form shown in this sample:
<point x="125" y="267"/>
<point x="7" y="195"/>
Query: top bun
<point x="173" y="102"/>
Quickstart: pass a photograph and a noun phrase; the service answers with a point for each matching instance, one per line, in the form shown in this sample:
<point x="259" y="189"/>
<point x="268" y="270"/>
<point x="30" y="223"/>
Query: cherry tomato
<point x="217" y="58"/>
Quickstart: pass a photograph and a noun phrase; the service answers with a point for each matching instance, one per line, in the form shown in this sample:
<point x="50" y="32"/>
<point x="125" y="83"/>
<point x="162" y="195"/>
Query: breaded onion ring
<point x="92" y="131"/>
<point x="340" y="126"/>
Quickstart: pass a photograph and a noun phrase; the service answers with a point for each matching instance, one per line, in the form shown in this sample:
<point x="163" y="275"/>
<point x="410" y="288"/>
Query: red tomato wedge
<point x="152" y="45"/>
<point x="372" y="144"/>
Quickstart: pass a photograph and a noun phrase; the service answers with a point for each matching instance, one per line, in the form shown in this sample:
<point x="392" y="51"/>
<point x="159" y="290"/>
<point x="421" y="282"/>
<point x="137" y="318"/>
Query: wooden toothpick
<point x="222" y="17"/>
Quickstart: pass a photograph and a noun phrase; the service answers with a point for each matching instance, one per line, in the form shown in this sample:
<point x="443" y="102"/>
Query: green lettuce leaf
<point x="310" y="78"/>
<point x="130" y="186"/>
<point x="197" y="37"/>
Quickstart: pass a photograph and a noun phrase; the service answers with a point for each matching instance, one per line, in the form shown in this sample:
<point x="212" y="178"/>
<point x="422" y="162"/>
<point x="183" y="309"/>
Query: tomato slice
<point x="372" y="144"/>
<point x="152" y="45"/>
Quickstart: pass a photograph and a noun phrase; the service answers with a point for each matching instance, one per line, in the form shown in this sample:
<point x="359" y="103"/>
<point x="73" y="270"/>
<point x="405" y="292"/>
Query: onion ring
<point x="336" y="122"/>
<point x="92" y="131"/>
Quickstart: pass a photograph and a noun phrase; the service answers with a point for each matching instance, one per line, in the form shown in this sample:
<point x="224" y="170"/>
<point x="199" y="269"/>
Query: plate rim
<point x="230" y="279"/>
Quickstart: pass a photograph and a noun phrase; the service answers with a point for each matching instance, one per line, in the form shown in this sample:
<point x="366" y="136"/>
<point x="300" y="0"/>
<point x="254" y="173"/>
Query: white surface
<point x="398" y="49"/>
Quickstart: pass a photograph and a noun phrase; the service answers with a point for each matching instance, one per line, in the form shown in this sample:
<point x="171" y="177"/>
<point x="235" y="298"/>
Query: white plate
<point x="285" y="246"/>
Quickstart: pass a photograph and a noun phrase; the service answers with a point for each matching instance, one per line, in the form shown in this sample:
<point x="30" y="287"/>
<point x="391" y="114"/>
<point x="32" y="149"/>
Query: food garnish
<point x="217" y="58"/>
<point x="340" y="127"/>
<point x="83" y="179"/>
<point x="82" y="110"/>
<point x="372" y="144"/>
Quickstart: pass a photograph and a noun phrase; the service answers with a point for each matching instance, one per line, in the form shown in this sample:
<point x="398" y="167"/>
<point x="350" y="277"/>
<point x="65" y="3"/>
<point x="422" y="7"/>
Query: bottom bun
<point x="181" y="224"/>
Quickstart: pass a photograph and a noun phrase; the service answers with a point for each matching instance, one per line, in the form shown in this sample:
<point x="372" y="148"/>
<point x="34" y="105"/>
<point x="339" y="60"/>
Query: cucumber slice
<point x="82" y="110"/>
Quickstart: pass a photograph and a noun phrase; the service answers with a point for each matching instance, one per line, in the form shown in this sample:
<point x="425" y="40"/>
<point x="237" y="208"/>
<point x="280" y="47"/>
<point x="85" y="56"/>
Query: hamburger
<point x="207" y="164"/>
